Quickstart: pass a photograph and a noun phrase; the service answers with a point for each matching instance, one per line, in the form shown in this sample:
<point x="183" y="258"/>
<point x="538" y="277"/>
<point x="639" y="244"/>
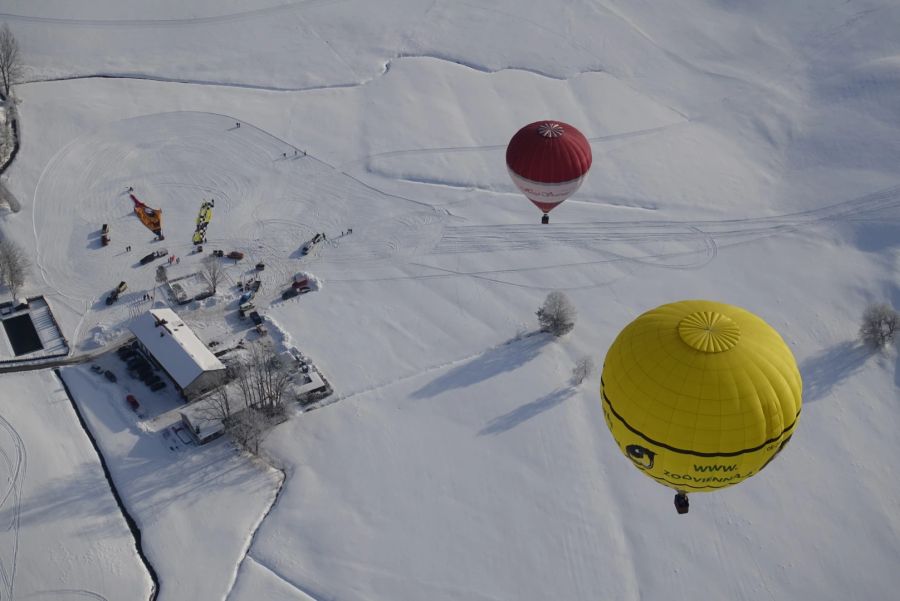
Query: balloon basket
<point x="545" y="219"/>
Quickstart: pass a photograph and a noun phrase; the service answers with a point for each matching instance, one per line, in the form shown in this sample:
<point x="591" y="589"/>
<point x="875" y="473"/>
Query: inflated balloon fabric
<point x="700" y="395"/>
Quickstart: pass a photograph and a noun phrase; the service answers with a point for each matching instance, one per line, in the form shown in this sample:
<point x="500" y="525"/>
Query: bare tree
<point x="11" y="68"/>
<point x="219" y="405"/>
<point x="213" y="270"/>
<point x="263" y="380"/>
<point x="584" y="367"/>
<point x="879" y="324"/>
<point x="253" y="401"/>
<point x="557" y="314"/>
<point x="249" y="428"/>
<point x="14" y="265"/>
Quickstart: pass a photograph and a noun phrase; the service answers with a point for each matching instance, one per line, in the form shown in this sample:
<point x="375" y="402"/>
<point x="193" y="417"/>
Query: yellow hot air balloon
<point x="700" y="395"/>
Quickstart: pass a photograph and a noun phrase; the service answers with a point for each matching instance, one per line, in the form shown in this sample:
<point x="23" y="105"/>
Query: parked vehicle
<point x="110" y="376"/>
<point x="245" y="308"/>
<point x="256" y="317"/>
<point x="236" y="255"/>
<point x="158" y="386"/>
<point x="289" y="293"/>
<point x="114" y="295"/>
<point x="132" y="402"/>
<point x="312" y="242"/>
<point x="162" y="252"/>
<point x="96" y="369"/>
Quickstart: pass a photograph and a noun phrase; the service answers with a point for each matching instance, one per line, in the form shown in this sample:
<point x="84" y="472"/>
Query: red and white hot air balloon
<point x="548" y="161"/>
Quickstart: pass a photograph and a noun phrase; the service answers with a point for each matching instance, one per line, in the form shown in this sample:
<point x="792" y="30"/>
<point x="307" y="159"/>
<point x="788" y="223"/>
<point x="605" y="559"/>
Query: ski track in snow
<point x="11" y="500"/>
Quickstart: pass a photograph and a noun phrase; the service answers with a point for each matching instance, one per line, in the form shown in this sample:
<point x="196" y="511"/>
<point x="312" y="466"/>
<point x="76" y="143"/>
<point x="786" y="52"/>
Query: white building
<point x="166" y="339"/>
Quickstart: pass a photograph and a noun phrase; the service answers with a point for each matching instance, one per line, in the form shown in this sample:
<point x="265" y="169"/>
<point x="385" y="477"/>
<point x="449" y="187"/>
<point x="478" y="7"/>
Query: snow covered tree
<point x="557" y="314"/>
<point x="213" y="270"/>
<point x="14" y="265"/>
<point x="879" y="324"/>
<point x="584" y="367"/>
<point x="11" y="68"/>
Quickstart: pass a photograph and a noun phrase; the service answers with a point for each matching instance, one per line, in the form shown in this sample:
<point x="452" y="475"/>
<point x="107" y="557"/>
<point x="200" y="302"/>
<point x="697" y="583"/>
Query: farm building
<point x="166" y="339"/>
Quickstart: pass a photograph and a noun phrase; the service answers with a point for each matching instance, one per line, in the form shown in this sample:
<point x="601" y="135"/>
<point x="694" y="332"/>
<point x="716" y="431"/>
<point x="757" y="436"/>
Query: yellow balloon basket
<point x="700" y="395"/>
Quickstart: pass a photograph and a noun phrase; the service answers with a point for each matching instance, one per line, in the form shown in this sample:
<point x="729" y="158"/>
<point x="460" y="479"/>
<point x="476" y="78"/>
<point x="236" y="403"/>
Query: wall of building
<point x="206" y="382"/>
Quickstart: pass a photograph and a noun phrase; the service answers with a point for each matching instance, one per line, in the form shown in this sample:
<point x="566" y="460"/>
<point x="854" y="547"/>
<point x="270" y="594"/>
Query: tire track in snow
<point x="282" y="578"/>
<point x="13" y="496"/>
<point x="239" y="16"/>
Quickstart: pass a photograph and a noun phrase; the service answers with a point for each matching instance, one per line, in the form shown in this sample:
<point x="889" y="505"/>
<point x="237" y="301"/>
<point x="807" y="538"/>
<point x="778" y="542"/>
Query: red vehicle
<point x="133" y="402"/>
<point x="236" y="255"/>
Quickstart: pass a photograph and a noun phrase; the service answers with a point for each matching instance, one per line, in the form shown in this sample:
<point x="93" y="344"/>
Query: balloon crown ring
<point x="550" y="130"/>
<point x="709" y="331"/>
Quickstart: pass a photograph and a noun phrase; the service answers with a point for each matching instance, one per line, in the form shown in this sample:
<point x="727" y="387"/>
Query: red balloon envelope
<point x="548" y="160"/>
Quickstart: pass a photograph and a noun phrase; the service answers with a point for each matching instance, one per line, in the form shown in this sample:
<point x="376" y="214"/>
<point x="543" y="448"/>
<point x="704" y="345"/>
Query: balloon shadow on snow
<point x="510" y="420"/>
<point x="503" y="358"/>
<point x="829" y="368"/>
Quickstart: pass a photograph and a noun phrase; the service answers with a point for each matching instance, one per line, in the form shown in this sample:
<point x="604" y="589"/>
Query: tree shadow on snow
<point x="829" y="368"/>
<point x="492" y="362"/>
<point x="510" y="420"/>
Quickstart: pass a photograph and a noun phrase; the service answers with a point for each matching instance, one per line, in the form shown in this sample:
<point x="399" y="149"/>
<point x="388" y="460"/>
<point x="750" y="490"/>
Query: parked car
<point x="110" y="376"/>
<point x="96" y="369"/>
<point x="114" y="295"/>
<point x="162" y="252"/>
<point x="236" y="255"/>
<point x="158" y="386"/>
<point x="132" y="402"/>
<point x="245" y="308"/>
<point x="256" y="317"/>
<point x="289" y="293"/>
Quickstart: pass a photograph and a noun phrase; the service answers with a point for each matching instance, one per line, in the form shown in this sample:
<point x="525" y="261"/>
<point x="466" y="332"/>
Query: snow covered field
<point x="61" y="534"/>
<point x="743" y="153"/>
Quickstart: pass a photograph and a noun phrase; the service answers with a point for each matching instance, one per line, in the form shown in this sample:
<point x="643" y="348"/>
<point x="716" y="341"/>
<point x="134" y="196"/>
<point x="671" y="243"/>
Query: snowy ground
<point x="62" y="535"/>
<point x="196" y="507"/>
<point x="741" y="153"/>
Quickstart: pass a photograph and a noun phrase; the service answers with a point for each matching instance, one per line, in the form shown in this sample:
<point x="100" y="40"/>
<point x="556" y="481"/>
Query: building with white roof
<point x="166" y="339"/>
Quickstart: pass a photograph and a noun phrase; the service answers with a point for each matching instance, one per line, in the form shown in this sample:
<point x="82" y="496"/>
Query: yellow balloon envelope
<point x="700" y="395"/>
